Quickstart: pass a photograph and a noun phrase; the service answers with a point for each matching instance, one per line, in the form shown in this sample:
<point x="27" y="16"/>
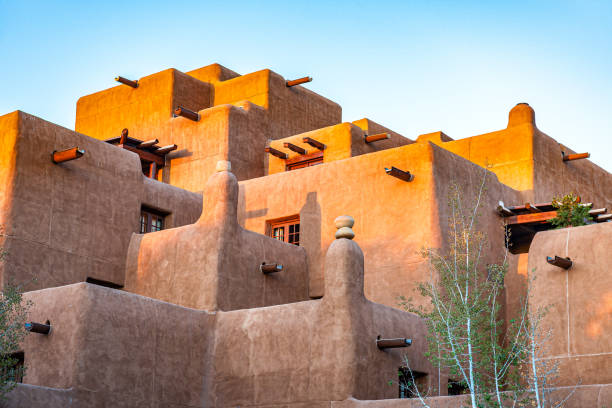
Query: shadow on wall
<point x="310" y="239"/>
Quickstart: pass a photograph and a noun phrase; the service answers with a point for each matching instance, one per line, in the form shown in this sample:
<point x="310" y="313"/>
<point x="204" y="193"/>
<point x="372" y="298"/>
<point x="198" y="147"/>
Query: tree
<point x="13" y="313"/>
<point x="570" y="213"/>
<point x="497" y="362"/>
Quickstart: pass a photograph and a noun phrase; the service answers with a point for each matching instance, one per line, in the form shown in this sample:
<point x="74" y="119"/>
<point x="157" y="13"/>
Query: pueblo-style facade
<point x="188" y="245"/>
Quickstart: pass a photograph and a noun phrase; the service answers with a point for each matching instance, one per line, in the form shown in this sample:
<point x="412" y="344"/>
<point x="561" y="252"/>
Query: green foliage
<point x="570" y="213"/>
<point x="13" y="313"/>
<point x="467" y="336"/>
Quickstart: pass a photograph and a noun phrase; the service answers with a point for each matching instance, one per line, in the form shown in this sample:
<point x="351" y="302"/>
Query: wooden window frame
<point x="285" y="223"/>
<point x="150" y="214"/>
<point x="302" y="161"/>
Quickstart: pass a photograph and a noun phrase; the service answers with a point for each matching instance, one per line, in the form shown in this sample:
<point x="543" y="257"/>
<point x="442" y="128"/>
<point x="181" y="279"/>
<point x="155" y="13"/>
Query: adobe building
<point x="210" y="239"/>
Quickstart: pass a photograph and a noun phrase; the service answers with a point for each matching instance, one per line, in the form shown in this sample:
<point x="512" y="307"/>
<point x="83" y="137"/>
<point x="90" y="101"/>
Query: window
<point x="151" y="220"/>
<point x="14" y="372"/>
<point x="408" y="381"/>
<point x="300" y="162"/>
<point x="285" y="229"/>
<point x="457" y="388"/>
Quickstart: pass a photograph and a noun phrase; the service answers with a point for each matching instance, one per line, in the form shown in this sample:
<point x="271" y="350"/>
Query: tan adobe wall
<point x="114" y="347"/>
<point x="341" y="141"/>
<point x="69" y="221"/>
<point x="395" y="219"/>
<point x="118" y="349"/>
<point x="214" y="264"/>
<point x="580" y="300"/>
<point x="527" y="160"/>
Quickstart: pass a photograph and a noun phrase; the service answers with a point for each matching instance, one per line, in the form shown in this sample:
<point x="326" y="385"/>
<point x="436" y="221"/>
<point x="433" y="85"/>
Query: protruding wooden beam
<point x="532" y="208"/>
<point x="165" y="149"/>
<point x="277" y="153"/>
<point x="67" y="155"/>
<point x="598" y="211"/>
<point x="38" y="328"/>
<point x="267" y="268"/>
<point x="503" y="211"/>
<point x="377" y="137"/>
<point x="148" y="143"/>
<point x="124" y="136"/>
<point x="298" y="81"/>
<point x="186" y="113"/>
<point x="576" y="156"/>
<point x="564" y="263"/>
<point x="400" y="174"/>
<point x="128" y="82"/>
<point x="392" y="343"/>
<point x="314" y="143"/>
<point x="295" y="148"/>
<point x="603" y="217"/>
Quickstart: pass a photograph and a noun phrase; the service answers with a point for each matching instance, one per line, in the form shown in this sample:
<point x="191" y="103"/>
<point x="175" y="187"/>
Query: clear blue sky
<point x="416" y="67"/>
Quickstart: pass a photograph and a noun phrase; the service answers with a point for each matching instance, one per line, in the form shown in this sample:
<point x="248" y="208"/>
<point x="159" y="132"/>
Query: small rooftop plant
<point x="570" y="213"/>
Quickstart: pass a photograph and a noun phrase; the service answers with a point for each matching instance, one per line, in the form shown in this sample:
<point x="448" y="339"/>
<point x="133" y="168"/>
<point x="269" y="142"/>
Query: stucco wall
<point x="580" y="300"/>
<point x="69" y="221"/>
<point x="214" y="263"/>
<point x="395" y="219"/>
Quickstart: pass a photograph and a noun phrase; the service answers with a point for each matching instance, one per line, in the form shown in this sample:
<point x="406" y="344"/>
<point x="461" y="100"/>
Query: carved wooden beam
<point x="128" y="82"/>
<point x="267" y="268"/>
<point x="67" y="155"/>
<point x="186" y="113"/>
<point x="161" y="161"/>
<point x="564" y="263"/>
<point x="392" y="343"/>
<point x="295" y="148"/>
<point x="124" y="136"/>
<point x="532" y="208"/>
<point x="377" y="137"/>
<point x="603" y="217"/>
<point x="298" y="81"/>
<point x="38" y="328"/>
<point x="503" y="210"/>
<point x="576" y="156"/>
<point x="314" y="143"/>
<point x="277" y="153"/>
<point x="400" y="174"/>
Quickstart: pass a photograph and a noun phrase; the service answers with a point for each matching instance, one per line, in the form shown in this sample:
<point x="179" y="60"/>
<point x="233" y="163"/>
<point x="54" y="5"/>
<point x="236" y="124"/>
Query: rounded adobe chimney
<point x="522" y="113"/>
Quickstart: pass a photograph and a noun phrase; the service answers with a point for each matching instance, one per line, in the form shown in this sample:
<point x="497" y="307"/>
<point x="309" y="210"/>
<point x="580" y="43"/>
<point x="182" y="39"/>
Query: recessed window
<point x="410" y="382"/>
<point x="457" y="388"/>
<point x="151" y="220"/>
<point x="300" y="162"/>
<point x="14" y="371"/>
<point x="285" y="229"/>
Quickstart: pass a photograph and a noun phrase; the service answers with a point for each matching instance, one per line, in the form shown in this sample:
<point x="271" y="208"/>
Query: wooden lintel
<point x="392" y="343"/>
<point x="314" y="143"/>
<point x="165" y="149"/>
<point x="564" y="263"/>
<point x="400" y="174"/>
<point x="532" y="217"/>
<point x="144" y="155"/>
<point x="186" y="113"/>
<point x="276" y="153"/>
<point x="377" y="137"/>
<point x="295" y="148"/>
<point x="67" y="155"/>
<point x="128" y="82"/>
<point x="577" y="156"/>
<point x="148" y="143"/>
<point x="267" y="268"/>
<point x="298" y="81"/>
